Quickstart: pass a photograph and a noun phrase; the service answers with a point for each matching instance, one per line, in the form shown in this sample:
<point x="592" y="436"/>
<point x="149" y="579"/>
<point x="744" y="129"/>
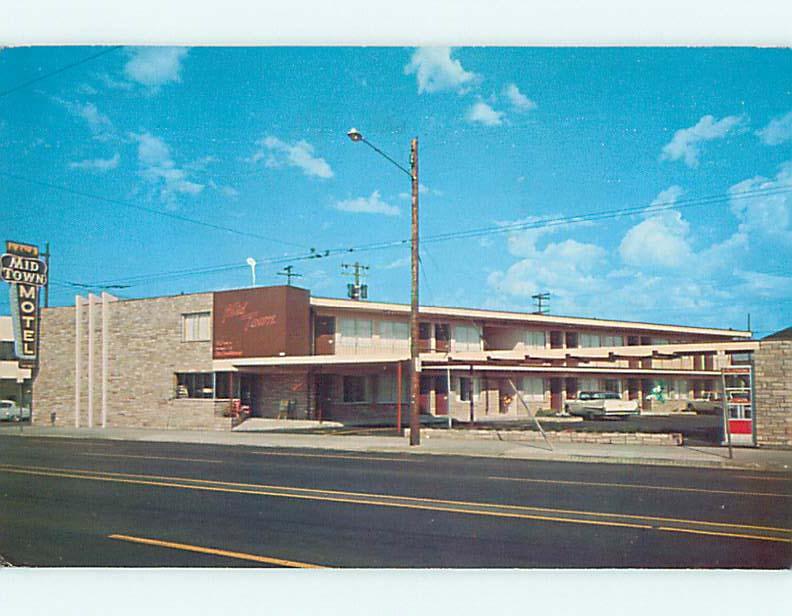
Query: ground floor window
<point x="533" y="388"/>
<point x="613" y="385"/>
<point x="354" y="389"/>
<point x="465" y="389"/>
<point x="388" y="388"/>
<point x="194" y="385"/>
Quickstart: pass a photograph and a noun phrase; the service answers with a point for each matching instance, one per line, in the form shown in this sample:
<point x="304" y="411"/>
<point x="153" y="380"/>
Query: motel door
<point x="739" y="404"/>
<point x="324" y="335"/>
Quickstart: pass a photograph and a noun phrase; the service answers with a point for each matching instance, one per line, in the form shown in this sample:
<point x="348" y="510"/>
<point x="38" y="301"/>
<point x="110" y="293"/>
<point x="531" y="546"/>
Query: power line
<point x="58" y="70"/>
<point x="465" y="234"/>
<point x="143" y="208"/>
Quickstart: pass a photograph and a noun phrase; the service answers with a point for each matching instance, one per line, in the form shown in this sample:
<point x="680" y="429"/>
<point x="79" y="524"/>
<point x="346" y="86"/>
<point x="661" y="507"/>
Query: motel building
<point x="192" y="361"/>
<point x="15" y="383"/>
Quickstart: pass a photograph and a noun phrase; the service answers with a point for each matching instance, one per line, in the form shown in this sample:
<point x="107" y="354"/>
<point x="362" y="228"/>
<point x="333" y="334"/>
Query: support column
<point x="106" y="299"/>
<point x="91" y="300"/>
<point x="77" y="350"/>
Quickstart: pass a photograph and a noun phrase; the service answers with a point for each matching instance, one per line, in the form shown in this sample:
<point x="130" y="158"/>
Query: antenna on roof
<point x="287" y="271"/>
<point x="356" y="290"/>
<point x="541" y="299"/>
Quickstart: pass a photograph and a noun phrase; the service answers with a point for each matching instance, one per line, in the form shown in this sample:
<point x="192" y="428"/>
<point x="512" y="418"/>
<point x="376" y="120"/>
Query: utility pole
<point x="356" y="290"/>
<point x="540" y="299"/>
<point x="415" y="424"/>
<point x="287" y="271"/>
<point x="415" y="420"/>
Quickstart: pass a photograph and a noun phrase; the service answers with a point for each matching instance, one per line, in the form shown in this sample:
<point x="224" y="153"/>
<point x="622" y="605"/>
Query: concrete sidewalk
<point x="706" y="457"/>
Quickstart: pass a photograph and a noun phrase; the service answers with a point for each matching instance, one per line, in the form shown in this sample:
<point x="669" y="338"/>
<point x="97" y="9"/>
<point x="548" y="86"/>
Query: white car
<point x="10" y="411"/>
<point x="591" y="404"/>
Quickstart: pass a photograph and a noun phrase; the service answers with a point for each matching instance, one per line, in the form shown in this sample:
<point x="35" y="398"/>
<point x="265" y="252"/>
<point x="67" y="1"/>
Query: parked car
<point x="10" y="411"/>
<point x="595" y="404"/>
<point x="708" y="404"/>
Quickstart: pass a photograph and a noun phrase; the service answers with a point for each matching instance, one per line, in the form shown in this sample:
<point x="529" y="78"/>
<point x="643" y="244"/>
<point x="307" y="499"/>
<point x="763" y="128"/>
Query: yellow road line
<point x="638" y="486"/>
<point x="216" y="552"/>
<point x="320" y="494"/>
<point x="321" y="455"/>
<point x="713" y="533"/>
<point x="358" y="501"/>
<point x="122" y="455"/>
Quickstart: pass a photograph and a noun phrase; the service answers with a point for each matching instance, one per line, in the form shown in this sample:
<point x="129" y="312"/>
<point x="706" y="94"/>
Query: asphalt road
<point x="103" y="503"/>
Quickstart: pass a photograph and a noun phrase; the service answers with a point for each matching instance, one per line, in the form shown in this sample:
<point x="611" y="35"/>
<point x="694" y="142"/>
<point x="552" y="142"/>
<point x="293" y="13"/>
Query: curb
<point x="550" y="457"/>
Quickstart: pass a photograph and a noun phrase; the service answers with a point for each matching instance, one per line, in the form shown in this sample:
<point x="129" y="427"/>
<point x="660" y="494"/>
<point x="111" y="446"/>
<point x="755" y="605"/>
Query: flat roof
<point x="522" y="317"/>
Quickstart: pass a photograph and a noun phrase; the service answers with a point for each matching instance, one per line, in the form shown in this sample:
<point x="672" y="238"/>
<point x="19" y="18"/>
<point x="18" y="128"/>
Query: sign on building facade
<point x="26" y="273"/>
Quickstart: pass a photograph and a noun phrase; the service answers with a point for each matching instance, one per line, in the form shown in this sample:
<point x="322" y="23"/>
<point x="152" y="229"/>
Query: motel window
<point x="354" y="389"/>
<point x="356" y="332"/>
<point x="613" y="385"/>
<point x="681" y="390"/>
<point x="612" y="341"/>
<point x="465" y="390"/>
<point x="195" y="326"/>
<point x="590" y="340"/>
<point x="535" y="339"/>
<point x="588" y="385"/>
<point x="740" y="359"/>
<point x="394" y="333"/>
<point x="194" y="385"/>
<point x="7" y="350"/>
<point x="467" y="338"/>
<point x="388" y="388"/>
<point x="533" y="388"/>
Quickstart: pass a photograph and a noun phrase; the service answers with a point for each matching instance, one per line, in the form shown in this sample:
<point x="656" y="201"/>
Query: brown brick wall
<point x="773" y="393"/>
<point x="145" y="351"/>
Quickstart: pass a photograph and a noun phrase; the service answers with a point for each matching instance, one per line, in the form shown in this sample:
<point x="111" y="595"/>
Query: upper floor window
<point x="394" y="331"/>
<point x="535" y="339"/>
<point x="612" y="341"/>
<point x="467" y="338"/>
<point x="590" y="340"/>
<point x="196" y="326"/>
<point x="356" y="332"/>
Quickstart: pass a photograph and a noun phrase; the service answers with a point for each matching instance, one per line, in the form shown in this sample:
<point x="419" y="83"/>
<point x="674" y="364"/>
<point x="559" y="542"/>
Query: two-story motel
<point x="182" y="361"/>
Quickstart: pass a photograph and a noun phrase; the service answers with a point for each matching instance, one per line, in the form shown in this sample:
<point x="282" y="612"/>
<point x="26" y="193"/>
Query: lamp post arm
<point x="384" y="155"/>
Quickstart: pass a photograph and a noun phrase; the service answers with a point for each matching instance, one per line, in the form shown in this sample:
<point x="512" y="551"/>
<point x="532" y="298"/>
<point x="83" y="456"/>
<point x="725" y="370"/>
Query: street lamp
<point x="415" y="422"/>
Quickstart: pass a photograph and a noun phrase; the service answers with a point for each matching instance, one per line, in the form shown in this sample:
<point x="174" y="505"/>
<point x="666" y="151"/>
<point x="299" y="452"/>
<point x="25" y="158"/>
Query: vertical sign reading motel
<point x="22" y="268"/>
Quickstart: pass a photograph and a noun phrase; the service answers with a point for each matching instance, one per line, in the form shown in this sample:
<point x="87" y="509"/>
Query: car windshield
<point x="600" y="395"/>
<point x="6" y="405"/>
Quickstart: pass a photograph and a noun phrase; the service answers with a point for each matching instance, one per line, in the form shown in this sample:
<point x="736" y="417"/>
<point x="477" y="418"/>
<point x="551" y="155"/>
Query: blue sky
<point x="110" y="158"/>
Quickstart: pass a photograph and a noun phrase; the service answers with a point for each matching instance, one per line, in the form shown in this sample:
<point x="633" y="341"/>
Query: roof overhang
<point x="520" y="317"/>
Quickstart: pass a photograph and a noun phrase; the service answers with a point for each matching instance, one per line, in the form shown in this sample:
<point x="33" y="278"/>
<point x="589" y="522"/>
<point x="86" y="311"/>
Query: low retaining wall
<point x="673" y="439"/>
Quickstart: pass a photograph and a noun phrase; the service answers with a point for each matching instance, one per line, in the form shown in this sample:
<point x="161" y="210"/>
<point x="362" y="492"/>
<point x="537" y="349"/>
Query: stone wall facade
<point x="773" y="393"/>
<point x="145" y="351"/>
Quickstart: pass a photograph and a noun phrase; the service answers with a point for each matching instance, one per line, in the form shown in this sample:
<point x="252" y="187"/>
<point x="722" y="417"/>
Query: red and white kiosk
<point x="737" y="382"/>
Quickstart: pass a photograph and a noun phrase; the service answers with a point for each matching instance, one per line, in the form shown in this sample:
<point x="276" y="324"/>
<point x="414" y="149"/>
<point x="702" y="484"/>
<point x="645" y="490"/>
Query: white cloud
<point x="154" y="66"/>
<point x="661" y="240"/>
<point x="436" y="70"/>
<point x="518" y="100"/>
<point x="97" y="164"/>
<point x="99" y="124"/>
<point x="299" y="154"/>
<point x="482" y="113"/>
<point x="397" y="263"/>
<point x="368" y="205"/>
<point x="685" y="143"/>
<point x="768" y="213"/>
<point x="161" y="172"/>
<point x="777" y="131"/>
